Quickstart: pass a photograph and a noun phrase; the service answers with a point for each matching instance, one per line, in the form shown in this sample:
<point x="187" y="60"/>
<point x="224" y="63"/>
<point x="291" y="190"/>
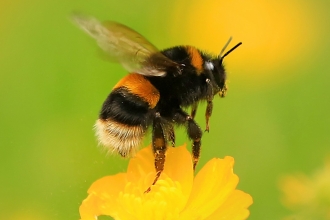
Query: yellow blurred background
<point x="274" y="120"/>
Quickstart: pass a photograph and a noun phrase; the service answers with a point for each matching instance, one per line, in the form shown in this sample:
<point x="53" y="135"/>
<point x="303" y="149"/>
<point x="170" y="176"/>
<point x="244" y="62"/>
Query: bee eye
<point x="209" y="65"/>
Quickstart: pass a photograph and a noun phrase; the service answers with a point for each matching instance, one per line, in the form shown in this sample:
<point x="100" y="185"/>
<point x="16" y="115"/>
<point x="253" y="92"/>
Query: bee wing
<point x="126" y="46"/>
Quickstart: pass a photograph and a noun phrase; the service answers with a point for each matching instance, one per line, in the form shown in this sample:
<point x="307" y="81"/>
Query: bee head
<point x="218" y="70"/>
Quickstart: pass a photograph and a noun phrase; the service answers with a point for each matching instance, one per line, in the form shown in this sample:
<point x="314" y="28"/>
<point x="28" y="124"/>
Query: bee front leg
<point x="158" y="147"/>
<point x="208" y="114"/>
<point x="209" y="106"/>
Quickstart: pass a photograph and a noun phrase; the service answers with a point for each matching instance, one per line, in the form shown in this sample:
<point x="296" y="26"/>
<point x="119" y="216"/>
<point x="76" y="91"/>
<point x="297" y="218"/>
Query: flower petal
<point x="235" y="207"/>
<point x="212" y="186"/>
<point x="101" y="199"/>
<point x="141" y="164"/>
<point x="179" y="167"/>
<point x="89" y="208"/>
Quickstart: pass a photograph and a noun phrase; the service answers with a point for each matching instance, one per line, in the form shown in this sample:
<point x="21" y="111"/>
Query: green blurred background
<point x="274" y="120"/>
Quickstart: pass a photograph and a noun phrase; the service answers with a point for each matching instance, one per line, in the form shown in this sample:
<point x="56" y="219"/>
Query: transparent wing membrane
<point x="126" y="46"/>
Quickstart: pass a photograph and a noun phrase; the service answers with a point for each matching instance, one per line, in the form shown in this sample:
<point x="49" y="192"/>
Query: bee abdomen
<point x="122" y="123"/>
<point x="125" y="115"/>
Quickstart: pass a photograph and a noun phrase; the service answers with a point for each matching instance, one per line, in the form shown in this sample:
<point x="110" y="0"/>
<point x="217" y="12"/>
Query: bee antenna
<point x="224" y="47"/>
<point x="229" y="51"/>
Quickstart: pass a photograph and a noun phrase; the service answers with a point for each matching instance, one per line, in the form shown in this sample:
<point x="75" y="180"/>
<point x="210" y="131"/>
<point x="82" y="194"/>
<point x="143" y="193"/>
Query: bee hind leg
<point x="194" y="109"/>
<point x="158" y="147"/>
<point x="194" y="133"/>
<point x="171" y="135"/>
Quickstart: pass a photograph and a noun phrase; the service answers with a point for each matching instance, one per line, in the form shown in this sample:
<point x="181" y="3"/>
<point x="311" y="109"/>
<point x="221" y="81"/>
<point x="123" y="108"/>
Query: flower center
<point x="164" y="201"/>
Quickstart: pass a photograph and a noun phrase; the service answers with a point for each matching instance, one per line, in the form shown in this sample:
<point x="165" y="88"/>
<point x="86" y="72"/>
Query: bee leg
<point x="223" y="91"/>
<point x="171" y="135"/>
<point x="194" y="109"/>
<point x="194" y="133"/>
<point x="208" y="114"/>
<point x="158" y="147"/>
<point x="209" y="106"/>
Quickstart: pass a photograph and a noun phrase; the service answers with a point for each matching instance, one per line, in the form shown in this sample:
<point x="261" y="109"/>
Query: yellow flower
<point x="308" y="197"/>
<point x="212" y="194"/>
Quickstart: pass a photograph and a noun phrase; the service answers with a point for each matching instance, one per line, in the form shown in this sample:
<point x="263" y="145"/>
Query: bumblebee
<point x="153" y="95"/>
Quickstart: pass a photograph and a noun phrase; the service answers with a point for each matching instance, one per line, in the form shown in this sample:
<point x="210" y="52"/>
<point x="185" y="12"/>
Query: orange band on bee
<point x="141" y="87"/>
<point x="196" y="58"/>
